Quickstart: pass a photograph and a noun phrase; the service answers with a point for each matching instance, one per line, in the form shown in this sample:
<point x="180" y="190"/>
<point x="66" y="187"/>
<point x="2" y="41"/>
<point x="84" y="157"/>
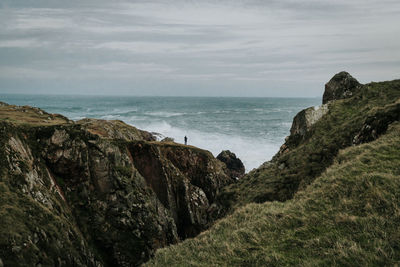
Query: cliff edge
<point x="329" y="197"/>
<point x="316" y="137"/>
<point x="95" y="192"/>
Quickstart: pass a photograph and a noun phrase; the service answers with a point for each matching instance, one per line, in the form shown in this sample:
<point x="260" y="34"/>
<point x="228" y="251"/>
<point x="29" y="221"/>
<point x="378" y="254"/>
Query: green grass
<point x="309" y="156"/>
<point x="30" y="116"/>
<point x="350" y="215"/>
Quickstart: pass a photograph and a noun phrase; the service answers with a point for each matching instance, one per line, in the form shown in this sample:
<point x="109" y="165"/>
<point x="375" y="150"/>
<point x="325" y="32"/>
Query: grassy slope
<point x="309" y="157"/>
<point x="29" y="116"/>
<point x="349" y="214"/>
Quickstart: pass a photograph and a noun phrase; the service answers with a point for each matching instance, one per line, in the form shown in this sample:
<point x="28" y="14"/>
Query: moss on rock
<point x="74" y="194"/>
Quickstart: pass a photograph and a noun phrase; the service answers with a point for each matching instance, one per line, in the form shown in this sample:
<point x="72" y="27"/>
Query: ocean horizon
<point x="252" y="127"/>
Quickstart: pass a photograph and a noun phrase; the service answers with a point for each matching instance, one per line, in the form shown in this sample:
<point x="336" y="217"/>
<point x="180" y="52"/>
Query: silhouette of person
<point x="185" y="140"/>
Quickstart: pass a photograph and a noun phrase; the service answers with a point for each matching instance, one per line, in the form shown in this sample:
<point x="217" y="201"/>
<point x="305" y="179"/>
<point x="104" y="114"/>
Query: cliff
<point x="330" y="196"/>
<point x="95" y="192"/>
<point x="103" y="193"/>
<point x="317" y="136"/>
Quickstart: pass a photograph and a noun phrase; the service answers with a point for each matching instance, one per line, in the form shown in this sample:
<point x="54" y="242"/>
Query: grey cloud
<point x="271" y="48"/>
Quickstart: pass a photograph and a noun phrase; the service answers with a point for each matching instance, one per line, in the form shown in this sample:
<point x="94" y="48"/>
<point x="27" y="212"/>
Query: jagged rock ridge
<point x="96" y="193"/>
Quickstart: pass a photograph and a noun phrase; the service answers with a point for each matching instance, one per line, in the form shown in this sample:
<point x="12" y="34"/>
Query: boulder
<point x="303" y="121"/>
<point x="341" y="86"/>
<point x="234" y="165"/>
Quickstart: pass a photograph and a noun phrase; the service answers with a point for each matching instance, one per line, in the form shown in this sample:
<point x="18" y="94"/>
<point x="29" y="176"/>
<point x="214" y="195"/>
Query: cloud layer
<point x="165" y="47"/>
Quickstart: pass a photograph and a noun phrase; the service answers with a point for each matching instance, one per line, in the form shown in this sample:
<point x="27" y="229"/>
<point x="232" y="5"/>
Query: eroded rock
<point x="185" y="180"/>
<point x="377" y="124"/>
<point x="234" y="165"/>
<point x="92" y="196"/>
<point x="303" y="121"/>
<point x="341" y="86"/>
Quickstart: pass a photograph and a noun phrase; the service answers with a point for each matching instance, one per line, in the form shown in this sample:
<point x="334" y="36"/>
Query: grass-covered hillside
<point x="350" y="215"/>
<point x="351" y="121"/>
<point x="331" y="195"/>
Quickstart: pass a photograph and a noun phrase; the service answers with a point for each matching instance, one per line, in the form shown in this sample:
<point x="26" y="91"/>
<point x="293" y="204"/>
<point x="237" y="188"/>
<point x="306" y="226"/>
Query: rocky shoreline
<point x="112" y="194"/>
<point x="104" y="193"/>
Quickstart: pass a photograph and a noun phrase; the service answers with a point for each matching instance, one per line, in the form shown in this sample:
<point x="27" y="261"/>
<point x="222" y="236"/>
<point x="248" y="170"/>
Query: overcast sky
<point x="195" y="48"/>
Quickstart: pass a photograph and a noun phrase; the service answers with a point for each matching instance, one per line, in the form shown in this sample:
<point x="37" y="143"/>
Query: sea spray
<point x="253" y="128"/>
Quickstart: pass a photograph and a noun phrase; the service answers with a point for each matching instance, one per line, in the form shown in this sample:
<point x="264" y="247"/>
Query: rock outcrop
<point x="95" y="192"/>
<point x="377" y="124"/>
<point x="341" y="86"/>
<point x="302" y="124"/>
<point x="306" y="118"/>
<point x="339" y="197"/>
<point x="355" y="114"/>
<point x="233" y="164"/>
<point x="115" y="129"/>
<point x="185" y="180"/>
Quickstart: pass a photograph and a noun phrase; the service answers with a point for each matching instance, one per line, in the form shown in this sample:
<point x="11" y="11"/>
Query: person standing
<point x="185" y="140"/>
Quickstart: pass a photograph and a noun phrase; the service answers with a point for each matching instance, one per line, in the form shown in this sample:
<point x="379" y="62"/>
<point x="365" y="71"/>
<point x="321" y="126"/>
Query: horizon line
<point x="175" y="96"/>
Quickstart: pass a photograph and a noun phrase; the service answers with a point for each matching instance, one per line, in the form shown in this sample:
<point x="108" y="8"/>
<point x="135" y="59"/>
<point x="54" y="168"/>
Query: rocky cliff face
<point x="306" y="118"/>
<point x="185" y="180"/>
<point x="96" y="193"/>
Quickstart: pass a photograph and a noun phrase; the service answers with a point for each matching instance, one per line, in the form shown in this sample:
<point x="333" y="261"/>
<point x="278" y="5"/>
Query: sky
<point x="261" y="48"/>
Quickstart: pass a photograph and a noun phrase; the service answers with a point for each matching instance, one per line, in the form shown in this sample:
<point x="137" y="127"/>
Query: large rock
<point x="302" y="124"/>
<point x="96" y="193"/>
<point x="234" y="165"/>
<point x="184" y="179"/>
<point x="341" y="86"/>
<point x="306" y="118"/>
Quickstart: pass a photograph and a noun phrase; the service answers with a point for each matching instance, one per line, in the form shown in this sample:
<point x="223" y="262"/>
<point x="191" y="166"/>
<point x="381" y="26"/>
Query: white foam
<point x="164" y="114"/>
<point x="111" y="117"/>
<point x="252" y="152"/>
<point x="124" y="111"/>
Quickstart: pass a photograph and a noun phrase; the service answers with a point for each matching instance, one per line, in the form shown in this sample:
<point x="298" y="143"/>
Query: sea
<point x="252" y="128"/>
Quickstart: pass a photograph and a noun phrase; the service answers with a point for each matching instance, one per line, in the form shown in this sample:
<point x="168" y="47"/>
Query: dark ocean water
<point x="253" y="128"/>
